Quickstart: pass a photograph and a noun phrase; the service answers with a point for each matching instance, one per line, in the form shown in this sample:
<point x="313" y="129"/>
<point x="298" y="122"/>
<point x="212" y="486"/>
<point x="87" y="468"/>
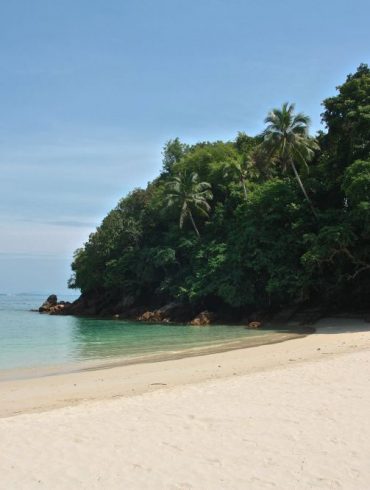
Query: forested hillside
<point x="258" y="223"/>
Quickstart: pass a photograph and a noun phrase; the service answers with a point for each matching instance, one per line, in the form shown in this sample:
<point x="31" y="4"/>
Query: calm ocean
<point x="32" y="344"/>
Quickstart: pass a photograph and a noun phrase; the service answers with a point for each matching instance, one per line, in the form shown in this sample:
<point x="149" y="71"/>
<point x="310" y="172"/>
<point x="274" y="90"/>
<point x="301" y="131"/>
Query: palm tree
<point x="238" y="166"/>
<point x="287" y="141"/>
<point x="189" y="194"/>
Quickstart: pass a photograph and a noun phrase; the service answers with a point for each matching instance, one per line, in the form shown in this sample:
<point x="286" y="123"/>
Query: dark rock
<point x="86" y="304"/>
<point x="284" y="315"/>
<point x="151" y="316"/>
<point x="51" y="301"/>
<point x="124" y="304"/>
<point x="56" y="310"/>
<point x="135" y="312"/>
<point x="204" y="318"/>
<point x="170" y="308"/>
<point x="52" y="307"/>
<point x="176" y="312"/>
<point x="254" y="325"/>
<point x="171" y="312"/>
<point x="256" y="316"/>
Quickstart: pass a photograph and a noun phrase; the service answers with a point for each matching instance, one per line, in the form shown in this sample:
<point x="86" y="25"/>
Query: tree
<point x="186" y="191"/>
<point x="238" y="166"/>
<point x="287" y="141"/>
<point x="172" y="153"/>
<point x="347" y="117"/>
<point x="257" y="253"/>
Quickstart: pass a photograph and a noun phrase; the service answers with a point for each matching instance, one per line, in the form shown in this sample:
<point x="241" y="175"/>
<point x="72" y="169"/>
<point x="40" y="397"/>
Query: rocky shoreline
<point x="169" y="313"/>
<point x="51" y="306"/>
<point x="102" y="306"/>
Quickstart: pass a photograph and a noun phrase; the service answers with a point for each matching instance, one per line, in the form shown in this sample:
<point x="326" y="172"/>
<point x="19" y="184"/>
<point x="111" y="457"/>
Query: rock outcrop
<point x="51" y="301"/>
<point x="151" y="316"/>
<point x="203" y="319"/>
<point x="254" y="325"/>
<point x="171" y="312"/>
<point x="53" y="307"/>
<point x="59" y="308"/>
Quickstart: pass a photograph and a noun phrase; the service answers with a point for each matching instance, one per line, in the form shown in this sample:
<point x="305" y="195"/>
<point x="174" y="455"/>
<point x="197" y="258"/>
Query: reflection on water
<point x="99" y="339"/>
<point x="31" y="340"/>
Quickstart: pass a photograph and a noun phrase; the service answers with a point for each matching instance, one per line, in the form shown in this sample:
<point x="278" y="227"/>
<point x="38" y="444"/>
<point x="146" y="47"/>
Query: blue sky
<point x="91" y="90"/>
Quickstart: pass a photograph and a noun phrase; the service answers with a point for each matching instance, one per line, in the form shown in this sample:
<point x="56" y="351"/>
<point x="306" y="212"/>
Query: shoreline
<point x="34" y="372"/>
<point x="108" y="382"/>
<point x="286" y="415"/>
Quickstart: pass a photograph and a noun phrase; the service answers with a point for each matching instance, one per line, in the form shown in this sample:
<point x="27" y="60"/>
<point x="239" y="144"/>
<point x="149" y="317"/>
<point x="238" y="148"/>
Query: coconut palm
<point x="238" y="168"/>
<point x="288" y="143"/>
<point x="185" y="191"/>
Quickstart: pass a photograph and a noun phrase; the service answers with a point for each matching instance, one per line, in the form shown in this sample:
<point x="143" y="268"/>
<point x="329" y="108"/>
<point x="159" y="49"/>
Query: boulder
<point x="52" y="307"/>
<point x="57" y="309"/>
<point x="51" y="301"/>
<point x="151" y="316"/>
<point x="170" y="308"/>
<point x="204" y="318"/>
<point x="254" y="325"/>
<point x="86" y="304"/>
<point x="257" y="316"/>
<point x="174" y="311"/>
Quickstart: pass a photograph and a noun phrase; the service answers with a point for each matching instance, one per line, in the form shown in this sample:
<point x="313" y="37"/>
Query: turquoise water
<point x="29" y="340"/>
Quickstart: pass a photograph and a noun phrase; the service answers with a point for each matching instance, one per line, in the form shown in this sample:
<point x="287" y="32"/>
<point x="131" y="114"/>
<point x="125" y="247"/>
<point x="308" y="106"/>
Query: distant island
<point x="239" y="229"/>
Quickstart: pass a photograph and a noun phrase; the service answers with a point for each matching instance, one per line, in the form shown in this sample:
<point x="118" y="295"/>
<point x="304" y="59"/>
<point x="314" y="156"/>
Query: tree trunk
<point x="193" y="223"/>
<point x="302" y="188"/>
<point x="242" y="180"/>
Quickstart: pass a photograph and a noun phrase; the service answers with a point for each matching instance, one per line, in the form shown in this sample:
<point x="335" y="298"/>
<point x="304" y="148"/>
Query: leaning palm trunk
<point x="302" y="188"/>
<point x="193" y="223"/>
<point x="244" y="187"/>
<point x="286" y="136"/>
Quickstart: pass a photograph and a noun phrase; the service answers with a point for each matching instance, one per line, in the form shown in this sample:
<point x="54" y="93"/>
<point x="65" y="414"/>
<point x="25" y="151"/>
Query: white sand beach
<point x="293" y="415"/>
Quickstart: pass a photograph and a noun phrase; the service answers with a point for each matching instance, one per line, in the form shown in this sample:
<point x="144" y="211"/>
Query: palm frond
<point x="186" y="191"/>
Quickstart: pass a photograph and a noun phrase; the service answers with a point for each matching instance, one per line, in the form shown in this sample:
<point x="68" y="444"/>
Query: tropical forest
<point x="260" y="223"/>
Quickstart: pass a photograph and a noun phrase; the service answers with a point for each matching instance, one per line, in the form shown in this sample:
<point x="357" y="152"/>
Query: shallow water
<point x="34" y="344"/>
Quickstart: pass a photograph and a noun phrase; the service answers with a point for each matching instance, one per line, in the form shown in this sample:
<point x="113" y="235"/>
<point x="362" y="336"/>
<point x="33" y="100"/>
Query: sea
<point x="34" y="344"/>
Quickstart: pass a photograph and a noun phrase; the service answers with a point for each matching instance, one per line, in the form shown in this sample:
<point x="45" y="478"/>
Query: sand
<point x="293" y="415"/>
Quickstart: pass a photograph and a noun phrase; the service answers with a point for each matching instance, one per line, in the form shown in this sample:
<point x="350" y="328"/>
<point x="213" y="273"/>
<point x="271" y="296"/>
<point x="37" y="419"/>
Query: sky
<point x="91" y="90"/>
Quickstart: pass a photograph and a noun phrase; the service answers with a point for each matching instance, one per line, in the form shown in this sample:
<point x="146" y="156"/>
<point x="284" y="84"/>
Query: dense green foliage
<point x="265" y="221"/>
